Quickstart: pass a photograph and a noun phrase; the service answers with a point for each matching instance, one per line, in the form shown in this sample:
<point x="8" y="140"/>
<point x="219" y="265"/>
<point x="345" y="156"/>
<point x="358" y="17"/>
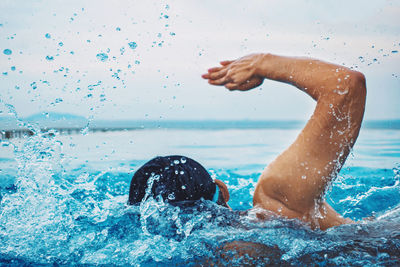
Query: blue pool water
<point x="63" y="201"/>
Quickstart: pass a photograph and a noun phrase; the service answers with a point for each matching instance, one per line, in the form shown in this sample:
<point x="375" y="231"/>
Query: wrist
<point x="262" y="63"/>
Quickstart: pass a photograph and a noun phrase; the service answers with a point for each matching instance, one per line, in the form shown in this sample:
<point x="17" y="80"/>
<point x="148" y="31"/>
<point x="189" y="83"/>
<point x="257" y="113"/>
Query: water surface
<point x="63" y="200"/>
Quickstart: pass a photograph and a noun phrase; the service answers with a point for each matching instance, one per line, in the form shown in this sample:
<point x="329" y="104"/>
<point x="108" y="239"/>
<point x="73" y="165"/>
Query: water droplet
<point x="183" y="187"/>
<point x="33" y="85"/>
<point x="132" y="45"/>
<point x="183" y="160"/>
<point x="137" y="62"/>
<point x="102" y="57"/>
<point x="171" y="196"/>
<point x="303" y="177"/>
<point x="181" y="172"/>
<point x="172" y="34"/>
<point x="49" y="58"/>
<point x="118" y="29"/>
<point x="7" y="52"/>
<point x="395" y="52"/>
<point x="13" y="68"/>
<point x="47" y="35"/>
<point x="60" y="43"/>
<point x="102" y="97"/>
<point x="176" y="161"/>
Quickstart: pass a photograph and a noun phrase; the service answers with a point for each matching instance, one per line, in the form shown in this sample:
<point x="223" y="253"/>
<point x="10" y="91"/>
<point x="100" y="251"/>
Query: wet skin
<point x="293" y="185"/>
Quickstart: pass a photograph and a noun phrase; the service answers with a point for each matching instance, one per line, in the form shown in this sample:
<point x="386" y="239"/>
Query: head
<point x="177" y="179"/>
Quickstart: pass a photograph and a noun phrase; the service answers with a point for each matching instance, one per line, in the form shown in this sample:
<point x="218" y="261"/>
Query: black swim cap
<point x="176" y="178"/>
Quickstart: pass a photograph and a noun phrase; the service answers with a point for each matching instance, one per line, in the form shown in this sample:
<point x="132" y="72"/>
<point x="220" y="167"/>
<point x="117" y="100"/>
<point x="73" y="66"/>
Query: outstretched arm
<point x="294" y="183"/>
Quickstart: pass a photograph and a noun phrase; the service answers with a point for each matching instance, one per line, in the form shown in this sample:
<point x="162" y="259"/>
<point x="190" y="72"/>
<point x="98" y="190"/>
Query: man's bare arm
<point x="298" y="177"/>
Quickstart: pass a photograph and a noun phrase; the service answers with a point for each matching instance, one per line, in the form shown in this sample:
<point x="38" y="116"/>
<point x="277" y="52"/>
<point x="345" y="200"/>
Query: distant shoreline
<point x="70" y="127"/>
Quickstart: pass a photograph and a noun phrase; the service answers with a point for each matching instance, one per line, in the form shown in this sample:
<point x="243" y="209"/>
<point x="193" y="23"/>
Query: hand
<point x="240" y="74"/>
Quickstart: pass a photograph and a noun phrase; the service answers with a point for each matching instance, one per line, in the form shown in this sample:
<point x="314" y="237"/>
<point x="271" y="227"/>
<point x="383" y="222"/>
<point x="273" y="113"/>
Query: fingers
<point x="223" y="77"/>
<point x="247" y="85"/>
<point x="215" y="73"/>
<point x="221" y="81"/>
<point x="232" y="86"/>
<point x="208" y="75"/>
<point x="218" y="74"/>
<point x="214" y="69"/>
<point x="226" y="62"/>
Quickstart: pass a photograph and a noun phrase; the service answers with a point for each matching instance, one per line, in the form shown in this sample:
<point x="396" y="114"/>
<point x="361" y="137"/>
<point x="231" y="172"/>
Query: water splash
<point x="36" y="212"/>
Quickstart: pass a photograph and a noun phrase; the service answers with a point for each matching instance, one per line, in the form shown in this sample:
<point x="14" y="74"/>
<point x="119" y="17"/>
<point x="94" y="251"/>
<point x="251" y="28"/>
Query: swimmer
<point x="293" y="185"/>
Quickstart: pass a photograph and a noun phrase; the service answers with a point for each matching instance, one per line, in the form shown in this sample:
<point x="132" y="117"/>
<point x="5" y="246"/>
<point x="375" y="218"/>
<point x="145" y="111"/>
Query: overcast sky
<point x="155" y="51"/>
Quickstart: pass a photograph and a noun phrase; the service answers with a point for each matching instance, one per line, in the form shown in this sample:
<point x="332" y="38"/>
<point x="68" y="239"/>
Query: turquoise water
<point x="63" y="201"/>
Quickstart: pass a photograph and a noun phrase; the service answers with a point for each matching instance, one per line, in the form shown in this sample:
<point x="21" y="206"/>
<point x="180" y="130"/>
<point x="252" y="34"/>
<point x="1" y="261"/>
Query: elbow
<point x="350" y="93"/>
<point x="359" y="77"/>
<point x="352" y="88"/>
<point x="356" y="97"/>
<point x="357" y="85"/>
